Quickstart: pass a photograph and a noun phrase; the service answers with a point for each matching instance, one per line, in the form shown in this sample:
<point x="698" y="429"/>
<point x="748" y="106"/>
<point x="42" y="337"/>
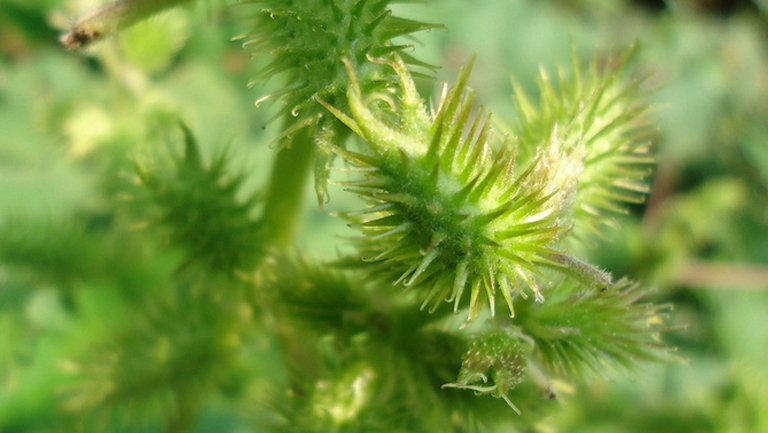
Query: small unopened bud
<point x="589" y="275"/>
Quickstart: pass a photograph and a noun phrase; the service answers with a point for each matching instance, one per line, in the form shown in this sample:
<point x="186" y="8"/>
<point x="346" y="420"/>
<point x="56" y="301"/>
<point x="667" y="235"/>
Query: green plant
<point x="454" y="219"/>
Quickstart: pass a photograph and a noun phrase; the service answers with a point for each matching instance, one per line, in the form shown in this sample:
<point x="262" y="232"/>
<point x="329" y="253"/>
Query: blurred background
<point x="701" y="242"/>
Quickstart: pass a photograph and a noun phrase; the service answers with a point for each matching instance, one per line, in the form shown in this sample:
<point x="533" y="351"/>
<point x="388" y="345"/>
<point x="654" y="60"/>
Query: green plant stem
<point x="284" y="198"/>
<point x="113" y="17"/>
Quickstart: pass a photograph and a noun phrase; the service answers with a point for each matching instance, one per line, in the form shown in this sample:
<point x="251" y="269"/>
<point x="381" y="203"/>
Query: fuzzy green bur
<point x="218" y="308"/>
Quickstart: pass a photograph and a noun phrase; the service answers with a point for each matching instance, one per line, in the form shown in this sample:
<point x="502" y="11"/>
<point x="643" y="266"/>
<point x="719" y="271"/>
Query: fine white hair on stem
<point x="112" y="17"/>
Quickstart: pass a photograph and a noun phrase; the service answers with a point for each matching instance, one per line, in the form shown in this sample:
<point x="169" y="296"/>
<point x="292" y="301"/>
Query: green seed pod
<point x="494" y="364"/>
<point x="448" y="214"/>
<point x="306" y="41"/>
<point x="605" y="119"/>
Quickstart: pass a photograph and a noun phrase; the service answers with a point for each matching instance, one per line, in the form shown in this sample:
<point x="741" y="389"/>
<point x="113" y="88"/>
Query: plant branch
<point x="111" y="18"/>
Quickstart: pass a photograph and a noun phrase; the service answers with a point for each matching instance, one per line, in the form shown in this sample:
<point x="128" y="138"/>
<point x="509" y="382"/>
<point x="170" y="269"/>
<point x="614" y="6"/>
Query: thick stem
<point x="282" y="210"/>
<point x="113" y="17"/>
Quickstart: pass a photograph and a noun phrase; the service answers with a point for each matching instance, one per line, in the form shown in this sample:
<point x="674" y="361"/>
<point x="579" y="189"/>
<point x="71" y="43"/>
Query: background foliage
<point x="67" y="119"/>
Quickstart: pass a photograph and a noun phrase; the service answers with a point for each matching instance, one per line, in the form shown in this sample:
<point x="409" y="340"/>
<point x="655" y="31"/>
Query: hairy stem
<point x="113" y="17"/>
